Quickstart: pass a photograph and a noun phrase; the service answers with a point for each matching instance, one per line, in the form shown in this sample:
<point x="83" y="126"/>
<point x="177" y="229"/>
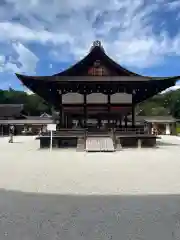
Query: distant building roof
<point x="160" y="119"/>
<point x="10" y="110"/>
<point x="26" y="121"/>
<point x="45" y="115"/>
<point x="38" y="117"/>
<point x="156" y="119"/>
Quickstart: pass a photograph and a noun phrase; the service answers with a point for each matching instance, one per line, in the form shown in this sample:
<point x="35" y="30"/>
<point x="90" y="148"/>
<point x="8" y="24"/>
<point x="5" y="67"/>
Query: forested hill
<point x="162" y="104"/>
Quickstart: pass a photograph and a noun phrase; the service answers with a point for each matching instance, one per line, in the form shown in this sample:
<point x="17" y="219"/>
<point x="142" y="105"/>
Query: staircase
<point x="99" y="144"/>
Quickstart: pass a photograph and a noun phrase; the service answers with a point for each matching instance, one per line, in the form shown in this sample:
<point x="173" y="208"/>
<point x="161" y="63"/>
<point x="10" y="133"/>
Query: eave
<point x="101" y="79"/>
<point x="118" y="77"/>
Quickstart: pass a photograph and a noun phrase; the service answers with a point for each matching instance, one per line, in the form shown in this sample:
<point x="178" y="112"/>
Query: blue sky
<point x="43" y="37"/>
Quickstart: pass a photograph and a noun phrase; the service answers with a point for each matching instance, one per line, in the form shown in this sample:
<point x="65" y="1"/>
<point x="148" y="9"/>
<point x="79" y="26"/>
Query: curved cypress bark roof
<point x="81" y="68"/>
<point x="115" y="73"/>
<point x="96" y="53"/>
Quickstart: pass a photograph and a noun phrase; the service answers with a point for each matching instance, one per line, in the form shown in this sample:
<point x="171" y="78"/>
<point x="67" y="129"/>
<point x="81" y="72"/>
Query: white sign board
<point x="51" y="127"/>
<point x="168" y="130"/>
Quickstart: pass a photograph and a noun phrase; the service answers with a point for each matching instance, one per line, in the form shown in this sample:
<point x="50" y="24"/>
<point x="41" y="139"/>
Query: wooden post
<point x="60" y="112"/>
<point x="109" y="108"/>
<point x="174" y="128"/>
<point x="2" y="132"/>
<point x="125" y="119"/>
<point x="120" y="122"/>
<point x="85" y="110"/>
<point x="51" y="139"/>
<point x="133" y="116"/>
<point x="133" y="110"/>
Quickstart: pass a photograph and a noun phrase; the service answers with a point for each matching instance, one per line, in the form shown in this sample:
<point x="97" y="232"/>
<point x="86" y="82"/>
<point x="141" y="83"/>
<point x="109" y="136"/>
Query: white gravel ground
<point x="24" y="167"/>
<point x="130" y="195"/>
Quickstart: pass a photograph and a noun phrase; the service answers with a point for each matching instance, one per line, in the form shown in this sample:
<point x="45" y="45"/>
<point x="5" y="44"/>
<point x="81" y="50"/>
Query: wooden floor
<point x="98" y="140"/>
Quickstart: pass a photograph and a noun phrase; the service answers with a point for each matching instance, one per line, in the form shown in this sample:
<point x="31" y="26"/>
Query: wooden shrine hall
<point x="94" y="98"/>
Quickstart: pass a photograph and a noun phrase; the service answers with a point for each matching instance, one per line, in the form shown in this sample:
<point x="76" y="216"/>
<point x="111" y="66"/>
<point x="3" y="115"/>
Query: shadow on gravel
<point x="44" y="217"/>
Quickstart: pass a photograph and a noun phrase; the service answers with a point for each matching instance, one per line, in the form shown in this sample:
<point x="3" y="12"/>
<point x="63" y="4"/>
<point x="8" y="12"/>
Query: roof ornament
<point x="97" y="43"/>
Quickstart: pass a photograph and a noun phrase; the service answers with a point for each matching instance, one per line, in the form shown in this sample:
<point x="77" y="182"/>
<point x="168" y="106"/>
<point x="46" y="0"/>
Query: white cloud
<point x="173" y="5"/>
<point x="13" y="31"/>
<point x="26" y="58"/>
<point x="174" y="88"/>
<point x="69" y="27"/>
<point x="6" y="66"/>
<point x="2" y="61"/>
<point x="25" y="61"/>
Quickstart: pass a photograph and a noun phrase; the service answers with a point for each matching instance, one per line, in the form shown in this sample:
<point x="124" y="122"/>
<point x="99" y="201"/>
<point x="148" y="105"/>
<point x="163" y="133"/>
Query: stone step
<point x="80" y="145"/>
<point x="99" y="144"/>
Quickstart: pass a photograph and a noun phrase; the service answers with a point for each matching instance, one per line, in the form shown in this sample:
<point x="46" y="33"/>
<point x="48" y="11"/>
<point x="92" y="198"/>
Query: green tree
<point x="33" y="104"/>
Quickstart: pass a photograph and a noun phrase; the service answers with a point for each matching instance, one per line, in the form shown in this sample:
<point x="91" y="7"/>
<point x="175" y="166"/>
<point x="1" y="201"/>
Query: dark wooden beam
<point x="98" y="105"/>
<point x="100" y="79"/>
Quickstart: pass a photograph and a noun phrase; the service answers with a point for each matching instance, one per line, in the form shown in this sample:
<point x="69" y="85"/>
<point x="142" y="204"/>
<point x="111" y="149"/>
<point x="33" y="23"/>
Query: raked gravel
<point x="24" y="167"/>
<point x="133" y="194"/>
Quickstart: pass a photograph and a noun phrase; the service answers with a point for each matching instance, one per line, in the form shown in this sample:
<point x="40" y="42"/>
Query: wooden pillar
<point x="133" y="115"/>
<point x="85" y="110"/>
<point x="133" y="110"/>
<point x="2" y="130"/>
<point x="125" y="119"/>
<point x="60" y="110"/>
<point x="120" y="121"/>
<point x="66" y="121"/>
<point x="99" y="122"/>
<point x="174" y="127"/>
<point x="109" y="108"/>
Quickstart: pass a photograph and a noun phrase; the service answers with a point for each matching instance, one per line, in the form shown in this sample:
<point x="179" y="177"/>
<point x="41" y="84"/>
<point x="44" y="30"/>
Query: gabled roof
<point x="112" y="72"/>
<point x="160" y="119"/>
<point x="154" y="119"/>
<point x="26" y="121"/>
<point x="10" y="110"/>
<point x="45" y="115"/>
<point x="96" y="53"/>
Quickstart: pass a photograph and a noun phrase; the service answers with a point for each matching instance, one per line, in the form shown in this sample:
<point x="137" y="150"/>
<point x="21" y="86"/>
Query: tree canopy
<point x="33" y="104"/>
<point x="162" y="105"/>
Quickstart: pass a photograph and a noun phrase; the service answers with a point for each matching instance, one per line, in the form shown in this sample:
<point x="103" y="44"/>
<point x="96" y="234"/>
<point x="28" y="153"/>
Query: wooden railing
<point x="103" y="132"/>
<point x="131" y="130"/>
<point x="65" y="131"/>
